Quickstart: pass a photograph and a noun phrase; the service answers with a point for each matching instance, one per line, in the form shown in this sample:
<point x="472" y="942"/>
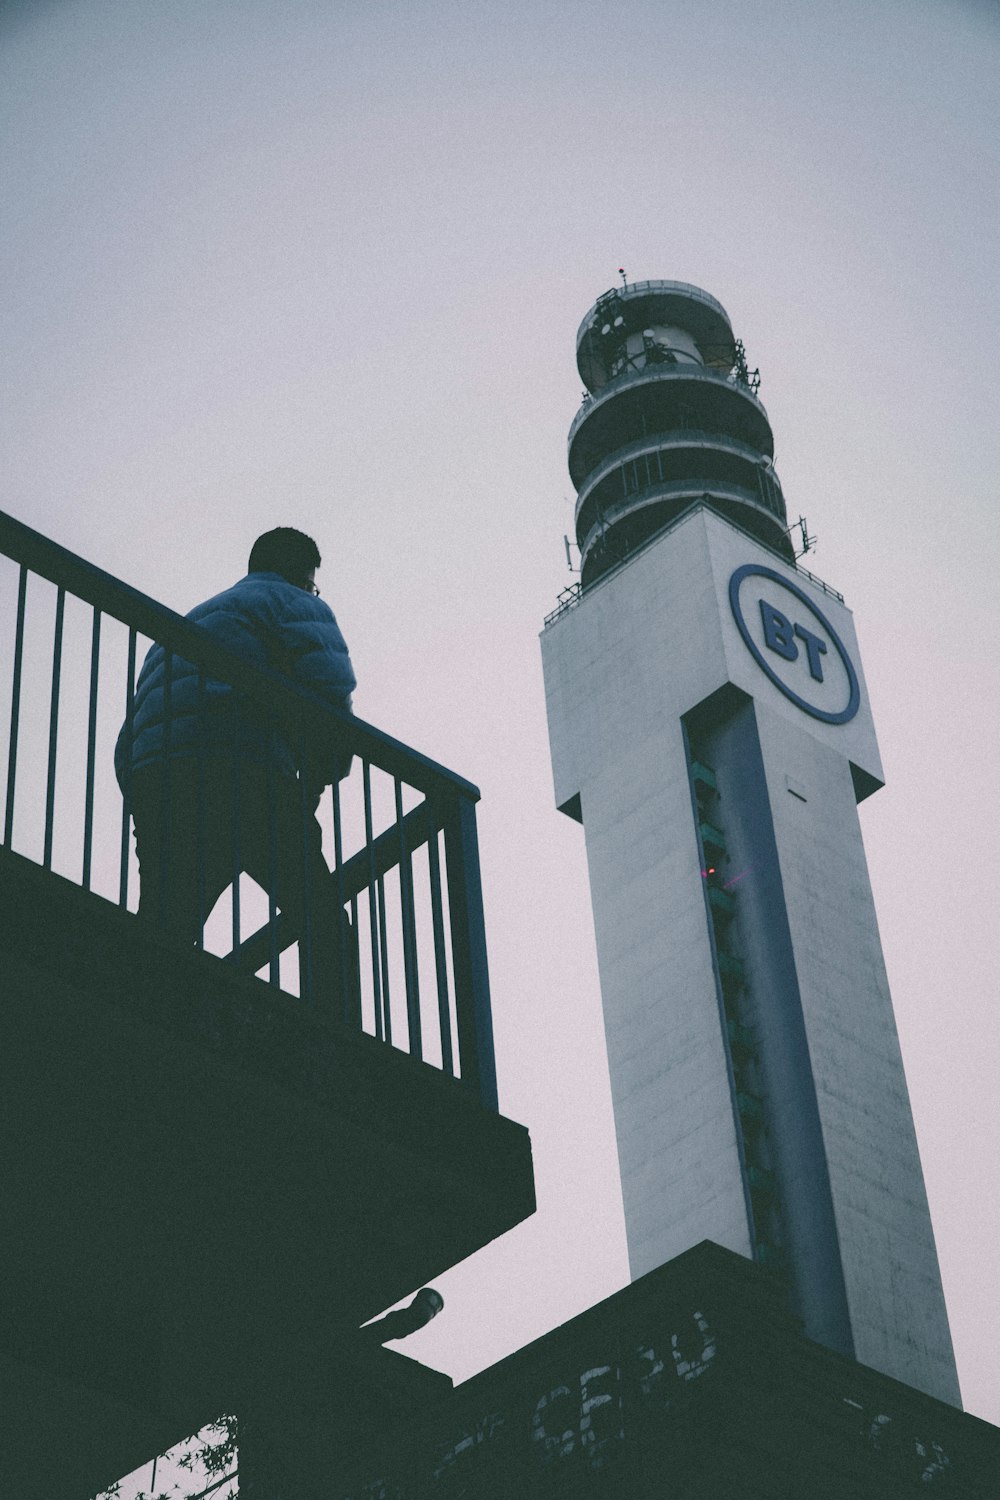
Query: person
<point x="216" y="788"/>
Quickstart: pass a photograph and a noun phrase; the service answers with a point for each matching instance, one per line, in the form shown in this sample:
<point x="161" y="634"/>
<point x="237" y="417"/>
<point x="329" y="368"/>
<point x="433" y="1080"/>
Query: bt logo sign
<point x="794" y="643"/>
<point x="779" y="633"/>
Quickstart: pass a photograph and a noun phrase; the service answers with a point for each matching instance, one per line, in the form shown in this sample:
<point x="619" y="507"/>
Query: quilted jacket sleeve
<point x="307" y="645"/>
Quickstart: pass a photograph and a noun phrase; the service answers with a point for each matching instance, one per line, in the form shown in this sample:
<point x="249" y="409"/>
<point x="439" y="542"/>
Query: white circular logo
<point x="794" y="643"/>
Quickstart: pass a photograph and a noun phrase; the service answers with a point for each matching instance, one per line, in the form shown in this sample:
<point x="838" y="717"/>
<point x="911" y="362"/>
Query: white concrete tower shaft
<point x="710" y="727"/>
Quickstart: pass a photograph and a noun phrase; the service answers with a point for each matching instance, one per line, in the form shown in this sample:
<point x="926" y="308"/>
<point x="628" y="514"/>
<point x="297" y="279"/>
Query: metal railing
<point x="387" y="891"/>
<point x="570" y="597"/>
<point x="631" y="289"/>
<point x="655" y="445"/>
<point x="652" y="374"/>
<point x="827" y="588"/>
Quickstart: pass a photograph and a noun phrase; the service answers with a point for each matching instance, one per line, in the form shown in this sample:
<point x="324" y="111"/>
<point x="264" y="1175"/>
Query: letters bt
<point x="779" y="636"/>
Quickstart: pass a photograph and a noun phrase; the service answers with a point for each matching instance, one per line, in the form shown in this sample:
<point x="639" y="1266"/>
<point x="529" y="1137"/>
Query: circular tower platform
<point x="671" y="416"/>
<point x="644" y="303"/>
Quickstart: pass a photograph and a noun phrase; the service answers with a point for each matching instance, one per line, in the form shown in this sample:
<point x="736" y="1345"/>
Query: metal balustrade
<point x="647" y="377"/>
<point x="398" y="832"/>
<point x="570" y="597"/>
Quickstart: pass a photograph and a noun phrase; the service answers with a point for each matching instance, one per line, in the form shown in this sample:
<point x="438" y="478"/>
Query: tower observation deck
<point x="671" y="415"/>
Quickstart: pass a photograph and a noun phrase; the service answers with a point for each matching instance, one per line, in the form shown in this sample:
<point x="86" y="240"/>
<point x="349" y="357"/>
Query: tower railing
<point x="569" y="598"/>
<point x="647" y="374"/>
<point x="399" y="916"/>
<point x="625" y="462"/>
<point x="632" y="289"/>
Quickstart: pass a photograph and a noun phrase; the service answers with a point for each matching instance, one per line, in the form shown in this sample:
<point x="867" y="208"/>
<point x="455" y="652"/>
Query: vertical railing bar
<point x="380" y="1009"/>
<point x="273" y="957"/>
<point x="386" y="1017"/>
<point x="356" y="1017"/>
<point x="127" y="776"/>
<point x="307" y="976"/>
<point x="409" y="931"/>
<point x="88" y="805"/>
<point x="200" y="790"/>
<point x="166" y="785"/>
<point x="50" y="792"/>
<point x="372" y="899"/>
<point x="440" y="964"/>
<point x="237" y="813"/>
<point x="468" y="947"/>
<point x="15" y="705"/>
<point x="338" y="878"/>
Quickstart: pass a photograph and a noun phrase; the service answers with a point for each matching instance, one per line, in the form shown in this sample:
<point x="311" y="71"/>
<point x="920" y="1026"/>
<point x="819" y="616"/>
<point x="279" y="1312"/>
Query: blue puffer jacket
<point x="268" y="622"/>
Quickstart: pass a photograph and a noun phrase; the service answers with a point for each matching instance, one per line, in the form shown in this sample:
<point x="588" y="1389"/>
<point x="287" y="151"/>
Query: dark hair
<point x="286" y="551"/>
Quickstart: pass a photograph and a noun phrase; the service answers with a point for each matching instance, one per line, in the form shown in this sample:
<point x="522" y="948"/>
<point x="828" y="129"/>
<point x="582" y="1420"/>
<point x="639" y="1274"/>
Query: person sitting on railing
<point x="215" y="789"/>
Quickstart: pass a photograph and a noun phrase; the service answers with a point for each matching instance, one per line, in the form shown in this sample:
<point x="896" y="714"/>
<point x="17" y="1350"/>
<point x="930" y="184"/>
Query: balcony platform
<point x="201" y="1181"/>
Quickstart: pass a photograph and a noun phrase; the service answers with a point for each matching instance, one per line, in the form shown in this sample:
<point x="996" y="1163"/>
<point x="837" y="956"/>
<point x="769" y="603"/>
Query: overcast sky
<point x="322" y="264"/>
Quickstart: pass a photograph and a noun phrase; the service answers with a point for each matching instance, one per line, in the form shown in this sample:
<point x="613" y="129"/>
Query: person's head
<point x="288" y="552"/>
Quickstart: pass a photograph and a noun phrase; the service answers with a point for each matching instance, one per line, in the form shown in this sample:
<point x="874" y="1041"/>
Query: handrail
<point x="663" y="288"/>
<point x="570" y="597"/>
<point x="655" y="374"/>
<point x="675" y="489"/>
<point x="355" y="873"/>
<point x="272" y="691"/>
<point x="427" y="984"/>
<point x="669" y="439"/>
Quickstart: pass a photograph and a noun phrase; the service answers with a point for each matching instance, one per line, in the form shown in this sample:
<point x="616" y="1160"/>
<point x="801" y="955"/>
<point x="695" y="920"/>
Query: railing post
<point x="15" y="706"/>
<point x="468" y="946"/>
<point x="50" y="795"/>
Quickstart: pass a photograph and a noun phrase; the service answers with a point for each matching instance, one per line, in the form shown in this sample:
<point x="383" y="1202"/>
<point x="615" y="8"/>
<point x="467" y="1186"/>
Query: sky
<point x="322" y="265"/>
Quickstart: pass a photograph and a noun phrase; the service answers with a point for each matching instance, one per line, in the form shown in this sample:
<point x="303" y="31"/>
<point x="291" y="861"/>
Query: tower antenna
<point x="808" y="541"/>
